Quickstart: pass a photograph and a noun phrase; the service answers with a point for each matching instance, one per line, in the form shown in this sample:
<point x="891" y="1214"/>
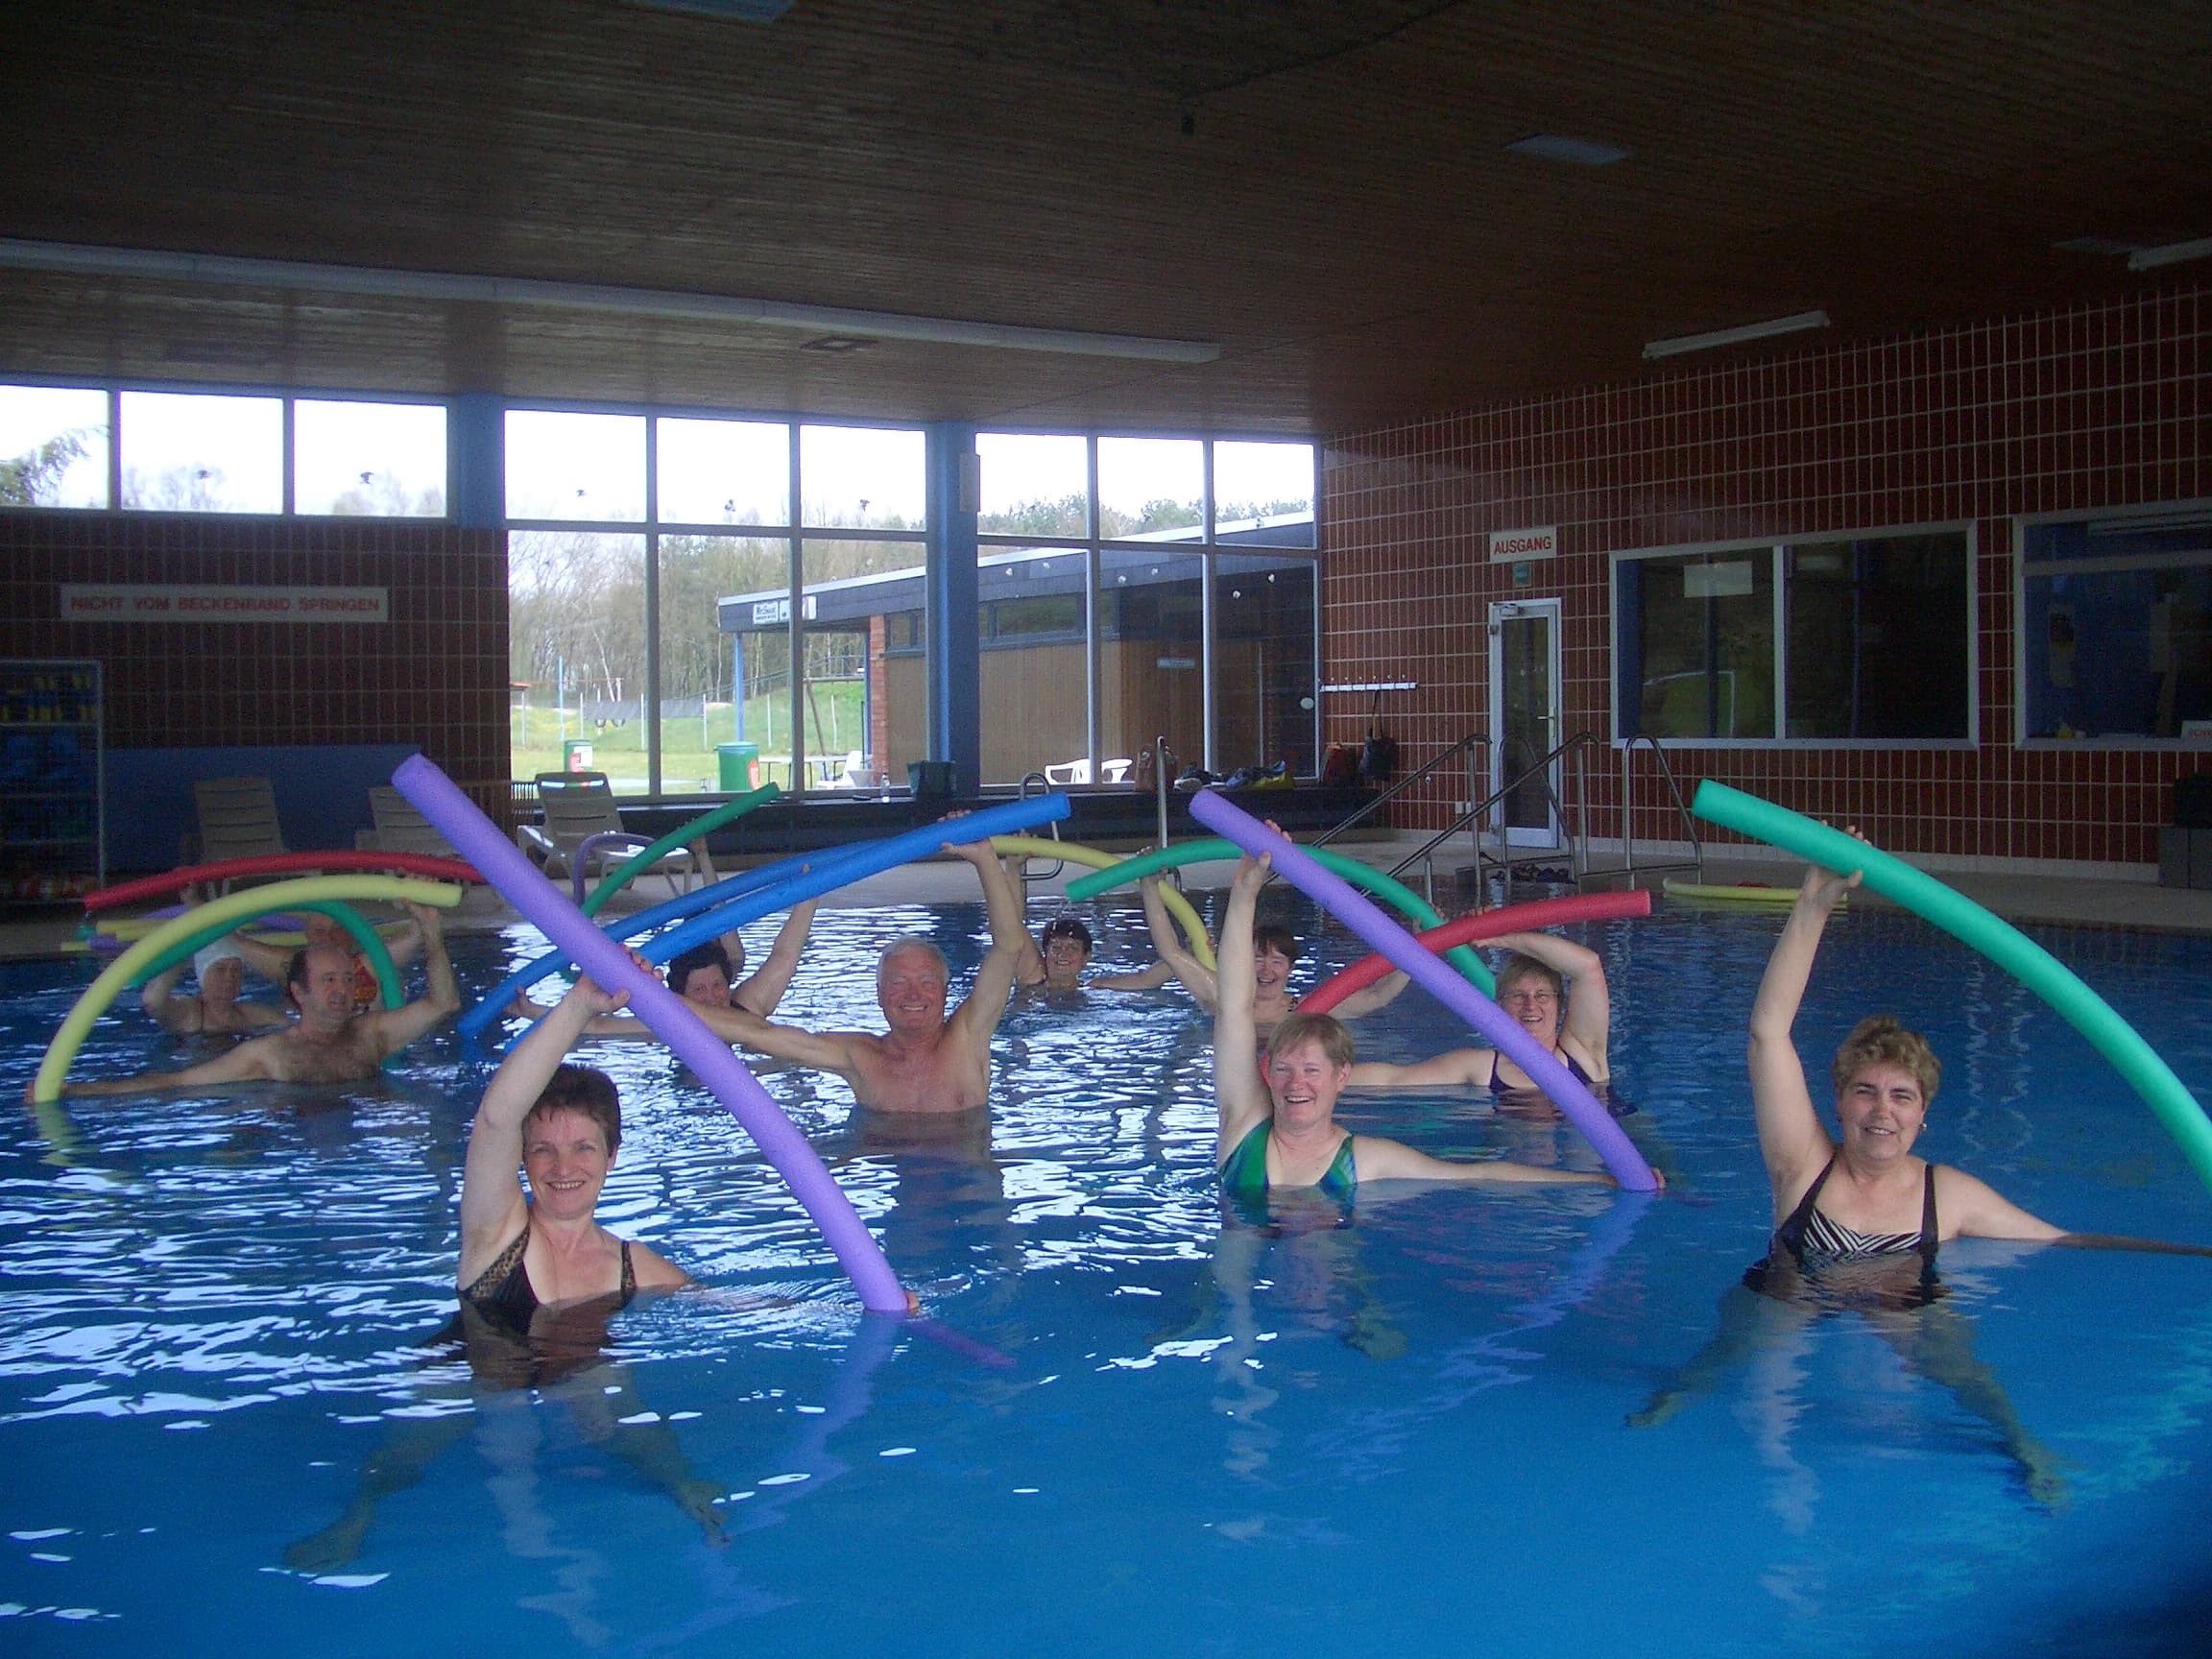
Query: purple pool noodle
<point x="503" y="865"/>
<point x="1336" y="896"/>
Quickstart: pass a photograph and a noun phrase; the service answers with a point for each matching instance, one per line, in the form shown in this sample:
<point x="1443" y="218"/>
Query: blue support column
<point x="955" y="669"/>
<point x="476" y="460"/>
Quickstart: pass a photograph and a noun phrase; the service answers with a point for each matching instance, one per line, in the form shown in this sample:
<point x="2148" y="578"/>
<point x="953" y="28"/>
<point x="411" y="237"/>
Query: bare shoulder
<point x="654" y="1272"/>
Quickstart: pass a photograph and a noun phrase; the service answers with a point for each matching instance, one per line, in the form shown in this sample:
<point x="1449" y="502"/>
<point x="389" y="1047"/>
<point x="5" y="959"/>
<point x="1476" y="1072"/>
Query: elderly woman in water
<point x="1277" y="1124"/>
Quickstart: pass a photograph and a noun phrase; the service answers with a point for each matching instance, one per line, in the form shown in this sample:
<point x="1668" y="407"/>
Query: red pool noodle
<point x="1481" y="924"/>
<point x="283" y="864"/>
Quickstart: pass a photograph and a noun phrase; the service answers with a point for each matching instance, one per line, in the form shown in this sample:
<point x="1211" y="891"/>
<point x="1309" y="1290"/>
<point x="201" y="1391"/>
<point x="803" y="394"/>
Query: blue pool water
<point x="1407" y="1435"/>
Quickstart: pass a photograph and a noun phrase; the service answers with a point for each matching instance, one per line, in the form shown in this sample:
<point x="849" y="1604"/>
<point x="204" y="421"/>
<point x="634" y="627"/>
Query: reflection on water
<point x="213" y="1314"/>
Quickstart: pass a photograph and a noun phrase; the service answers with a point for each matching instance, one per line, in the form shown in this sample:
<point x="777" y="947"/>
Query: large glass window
<point x="576" y="645"/>
<point x="1150" y="484"/>
<point x="221" y="453"/>
<point x="53" y="447"/>
<point x="2116" y="629"/>
<point x="368" y="460"/>
<point x="723" y="472"/>
<point x="1264" y="670"/>
<point x="575" y="467"/>
<point x="1865" y="639"/>
<point x="185" y="452"/>
<point x="1264" y="494"/>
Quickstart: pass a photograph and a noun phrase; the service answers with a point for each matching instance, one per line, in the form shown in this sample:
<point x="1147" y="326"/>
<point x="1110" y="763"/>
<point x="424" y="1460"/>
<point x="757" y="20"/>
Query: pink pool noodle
<point x="1481" y="924"/>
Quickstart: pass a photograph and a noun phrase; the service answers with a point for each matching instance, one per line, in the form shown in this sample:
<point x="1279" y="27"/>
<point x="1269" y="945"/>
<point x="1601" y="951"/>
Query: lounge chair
<point x="579" y="808"/>
<point x="399" y="827"/>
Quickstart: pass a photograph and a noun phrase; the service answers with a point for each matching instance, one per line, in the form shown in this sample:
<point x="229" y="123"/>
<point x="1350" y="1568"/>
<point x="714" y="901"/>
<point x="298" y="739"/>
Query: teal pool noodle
<point x="2000" y="941"/>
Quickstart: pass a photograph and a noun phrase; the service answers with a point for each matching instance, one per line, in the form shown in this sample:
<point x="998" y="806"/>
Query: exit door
<point x="1525" y="720"/>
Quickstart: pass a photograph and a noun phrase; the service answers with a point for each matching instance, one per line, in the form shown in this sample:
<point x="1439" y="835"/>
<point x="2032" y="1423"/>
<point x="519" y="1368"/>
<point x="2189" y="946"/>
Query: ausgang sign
<point x="1512" y="545"/>
<point x="84" y="602"/>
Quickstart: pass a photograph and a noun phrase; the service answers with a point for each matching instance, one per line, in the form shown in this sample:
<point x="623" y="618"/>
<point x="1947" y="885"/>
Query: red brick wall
<point x="434" y="674"/>
<point x="2096" y="407"/>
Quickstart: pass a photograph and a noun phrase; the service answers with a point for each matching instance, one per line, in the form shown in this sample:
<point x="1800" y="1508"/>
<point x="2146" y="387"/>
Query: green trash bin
<point x="739" y="767"/>
<point x="576" y="755"/>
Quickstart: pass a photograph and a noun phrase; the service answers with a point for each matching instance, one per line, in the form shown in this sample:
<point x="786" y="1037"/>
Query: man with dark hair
<point x="1056" y="961"/>
<point x="701" y="975"/>
<point x="329" y="1043"/>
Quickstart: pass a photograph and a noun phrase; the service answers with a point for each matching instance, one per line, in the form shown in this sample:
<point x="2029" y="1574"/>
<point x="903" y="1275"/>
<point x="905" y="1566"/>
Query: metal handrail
<point x="1021" y="793"/>
<point x="1472" y="818"/>
<point x="1628" y="866"/>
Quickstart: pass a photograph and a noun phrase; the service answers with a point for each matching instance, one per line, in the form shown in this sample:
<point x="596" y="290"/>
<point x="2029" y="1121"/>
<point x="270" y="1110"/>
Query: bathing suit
<point x="1814" y="1244"/>
<point x="504" y="1291"/>
<point x="1573" y="1064"/>
<point x="1245" y="1174"/>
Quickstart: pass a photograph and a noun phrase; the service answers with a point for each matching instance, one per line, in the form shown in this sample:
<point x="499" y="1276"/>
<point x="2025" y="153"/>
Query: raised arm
<point x="985" y="1005"/>
<point x="1369" y="997"/>
<point x="1197" y="978"/>
<point x="1382" y="1160"/>
<point x="1467" y="1066"/>
<point x="493" y="1205"/>
<point x="1588" y="1017"/>
<point x="396" y="1027"/>
<point x="765" y="986"/>
<point x="272" y="962"/>
<point x="1150" y="980"/>
<point x="173" y="1013"/>
<point x="1790" y="1135"/>
<point x="1240" y="1100"/>
<point x="1028" y="960"/>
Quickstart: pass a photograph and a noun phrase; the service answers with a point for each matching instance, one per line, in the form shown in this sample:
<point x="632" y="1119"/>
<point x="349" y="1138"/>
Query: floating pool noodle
<point x="1402" y="898"/>
<point x="1334" y="894"/>
<point x="335" y="861"/>
<point x="2000" y="941"/>
<point x="208" y="921"/>
<point x="663" y="1012"/>
<point x="1178" y="906"/>
<point x="473" y="1024"/>
<point x="1482" y="925"/>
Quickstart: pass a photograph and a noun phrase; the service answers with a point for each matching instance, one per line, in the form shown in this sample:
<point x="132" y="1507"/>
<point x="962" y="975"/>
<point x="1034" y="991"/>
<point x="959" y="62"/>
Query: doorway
<point x="1525" y="720"/>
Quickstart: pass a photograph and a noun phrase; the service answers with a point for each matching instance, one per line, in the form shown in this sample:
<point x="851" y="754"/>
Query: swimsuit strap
<point x="1246" y="1169"/>
<point x="1931" y="1235"/>
<point x="488" y="1283"/>
<point x="628" y="1274"/>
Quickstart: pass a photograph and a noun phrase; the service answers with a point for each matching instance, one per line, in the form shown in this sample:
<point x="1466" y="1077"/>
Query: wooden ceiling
<point x="1319" y="187"/>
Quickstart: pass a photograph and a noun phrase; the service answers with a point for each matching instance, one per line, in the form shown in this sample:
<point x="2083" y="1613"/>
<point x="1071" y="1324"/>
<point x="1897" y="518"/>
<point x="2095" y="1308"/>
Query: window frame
<point x="1776" y="549"/>
<point x="2144" y="515"/>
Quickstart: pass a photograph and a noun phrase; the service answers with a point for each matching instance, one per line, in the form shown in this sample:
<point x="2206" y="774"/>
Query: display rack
<point x="53" y="844"/>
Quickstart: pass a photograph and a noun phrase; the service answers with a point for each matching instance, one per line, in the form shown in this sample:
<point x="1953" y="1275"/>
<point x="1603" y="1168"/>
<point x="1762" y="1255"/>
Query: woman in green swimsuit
<point x="1278" y="1125"/>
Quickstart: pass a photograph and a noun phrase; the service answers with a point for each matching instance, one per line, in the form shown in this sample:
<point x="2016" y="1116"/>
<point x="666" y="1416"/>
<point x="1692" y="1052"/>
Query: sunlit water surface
<point x="224" y="1421"/>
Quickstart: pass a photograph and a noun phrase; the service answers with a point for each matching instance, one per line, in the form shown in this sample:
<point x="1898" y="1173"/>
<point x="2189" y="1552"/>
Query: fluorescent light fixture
<point x="2110" y="247"/>
<point x="156" y="265"/>
<point x="734" y="11"/>
<point x="1681" y="342"/>
<point x="2171" y="253"/>
<point x="1574" y="152"/>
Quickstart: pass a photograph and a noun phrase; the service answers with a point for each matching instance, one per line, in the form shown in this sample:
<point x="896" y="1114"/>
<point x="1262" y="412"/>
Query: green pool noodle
<point x="1394" y="893"/>
<point x="705" y="824"/>
<point x="208" y="921"/>
<point x="1998" y="940"/>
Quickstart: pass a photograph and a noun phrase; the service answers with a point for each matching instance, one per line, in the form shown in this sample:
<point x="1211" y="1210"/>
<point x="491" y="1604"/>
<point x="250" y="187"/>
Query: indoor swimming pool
<point x="227" y="1423"/>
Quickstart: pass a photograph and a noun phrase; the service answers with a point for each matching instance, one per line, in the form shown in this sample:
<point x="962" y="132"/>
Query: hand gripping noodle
<point x="2000" y="941"/>
<point x="1334" y="895"/>
<point x="1391" y="891"/>
<point x="435" y="796"/>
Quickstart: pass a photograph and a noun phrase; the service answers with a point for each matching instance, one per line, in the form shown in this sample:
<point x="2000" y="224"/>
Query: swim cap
<point x="221" y="951"/>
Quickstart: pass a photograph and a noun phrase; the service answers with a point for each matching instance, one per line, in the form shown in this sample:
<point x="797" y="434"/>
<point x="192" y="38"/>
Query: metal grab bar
<point x="1572" y="821"/>
<point x="1021" y="793"/>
